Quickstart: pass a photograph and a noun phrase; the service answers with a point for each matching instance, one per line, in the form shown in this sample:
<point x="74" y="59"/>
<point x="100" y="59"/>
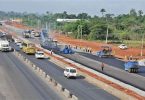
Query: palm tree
<point x="102" y="11"/>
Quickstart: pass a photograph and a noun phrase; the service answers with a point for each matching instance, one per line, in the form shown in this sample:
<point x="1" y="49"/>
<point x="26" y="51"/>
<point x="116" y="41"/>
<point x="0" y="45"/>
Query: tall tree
<point x="102" y="11"/>
<point x="133" y="12"/>
<point x="140" y="12"/>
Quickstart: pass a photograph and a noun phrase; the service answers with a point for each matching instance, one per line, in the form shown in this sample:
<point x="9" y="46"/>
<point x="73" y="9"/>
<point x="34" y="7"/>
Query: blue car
<point x="131" y="66"/>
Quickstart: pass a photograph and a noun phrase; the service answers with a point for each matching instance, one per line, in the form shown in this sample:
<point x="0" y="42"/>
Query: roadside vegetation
<point x="121" y="28"/>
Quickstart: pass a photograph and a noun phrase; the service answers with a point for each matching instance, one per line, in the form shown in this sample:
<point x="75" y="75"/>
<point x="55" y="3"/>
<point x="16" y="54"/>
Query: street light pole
<point x="107" y="34"/>
<point x="78" y="32"/>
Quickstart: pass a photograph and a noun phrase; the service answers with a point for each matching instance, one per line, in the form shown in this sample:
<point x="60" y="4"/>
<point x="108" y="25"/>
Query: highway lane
<point x="18" y="82"/>
<point x="79" y="87"/>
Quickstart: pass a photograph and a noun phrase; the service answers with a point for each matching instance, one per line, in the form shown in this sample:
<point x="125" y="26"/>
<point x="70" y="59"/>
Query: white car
<point x="123" y="46"/>
<point x="19" y="44"/>
<point x="70" y="72"/>
<point x="16" y="40"/>
<point x="39" y="55"/>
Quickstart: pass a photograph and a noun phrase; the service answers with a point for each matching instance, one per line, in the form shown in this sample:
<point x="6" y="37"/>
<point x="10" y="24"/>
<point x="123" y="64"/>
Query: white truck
<point x="5" y="46"/>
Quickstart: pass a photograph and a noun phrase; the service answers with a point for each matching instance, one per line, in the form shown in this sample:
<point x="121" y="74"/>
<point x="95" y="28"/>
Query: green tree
<point x="102" y="11"/>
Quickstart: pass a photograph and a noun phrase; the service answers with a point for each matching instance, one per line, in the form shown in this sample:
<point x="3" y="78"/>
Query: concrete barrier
<point x="34" y="66"/>
<point x="67" y="93"/>
<point x="47" y="77"/>
<point x="54" y="82"/>
<point x="44" y="74"/>
<point x="74" y="97"/>
<point x="38" y="69"/>
<point x="59" y="87"/>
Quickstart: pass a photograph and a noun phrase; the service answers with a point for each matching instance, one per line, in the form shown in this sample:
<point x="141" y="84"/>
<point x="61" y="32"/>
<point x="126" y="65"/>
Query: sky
<point x="92" y="7"/>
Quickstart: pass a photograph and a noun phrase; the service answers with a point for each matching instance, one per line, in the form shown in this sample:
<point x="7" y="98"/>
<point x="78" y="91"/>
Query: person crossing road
<point x="102" y="66"/>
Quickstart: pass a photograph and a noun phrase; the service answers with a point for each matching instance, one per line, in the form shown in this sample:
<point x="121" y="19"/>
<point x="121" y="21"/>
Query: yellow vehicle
<point x="28" y="48"/>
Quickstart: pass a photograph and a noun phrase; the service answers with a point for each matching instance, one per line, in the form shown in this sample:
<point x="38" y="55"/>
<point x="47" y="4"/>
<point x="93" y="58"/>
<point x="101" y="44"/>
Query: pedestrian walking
<point x="51" y="52"/>
<point x="102" y="66"/>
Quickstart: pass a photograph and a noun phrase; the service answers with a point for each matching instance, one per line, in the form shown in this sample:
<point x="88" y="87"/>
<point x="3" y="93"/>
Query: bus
<point x="28" y="48"/>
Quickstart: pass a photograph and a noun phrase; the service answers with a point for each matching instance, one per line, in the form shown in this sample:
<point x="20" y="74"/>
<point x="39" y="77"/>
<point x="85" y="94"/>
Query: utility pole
<point x="107" y="31"/>
<point x="80" y="32"/>
<point x="141" y="53"/>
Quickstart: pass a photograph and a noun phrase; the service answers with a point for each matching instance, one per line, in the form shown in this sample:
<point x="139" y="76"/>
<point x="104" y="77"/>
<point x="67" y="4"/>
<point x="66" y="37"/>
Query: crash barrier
<point x="82" y="49"/>
<point x="41" y="72"/>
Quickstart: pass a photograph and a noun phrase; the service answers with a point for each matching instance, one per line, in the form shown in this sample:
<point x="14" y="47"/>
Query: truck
<point x="131" y="66"/>
<point x="27" y="34"/>
<point x="4" y="46"/>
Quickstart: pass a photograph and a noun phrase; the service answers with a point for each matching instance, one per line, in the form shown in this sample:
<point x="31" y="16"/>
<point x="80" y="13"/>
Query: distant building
<point x="67" y="20"/>
<point x="16" y="20"/>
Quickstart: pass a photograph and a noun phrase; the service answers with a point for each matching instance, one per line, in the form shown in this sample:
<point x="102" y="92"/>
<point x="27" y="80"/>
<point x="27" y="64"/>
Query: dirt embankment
<point x="96" y="46"/>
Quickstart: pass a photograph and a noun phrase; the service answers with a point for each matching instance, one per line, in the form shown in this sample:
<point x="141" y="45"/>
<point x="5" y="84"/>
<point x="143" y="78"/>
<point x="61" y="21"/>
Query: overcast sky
<point x="72" y="6"/>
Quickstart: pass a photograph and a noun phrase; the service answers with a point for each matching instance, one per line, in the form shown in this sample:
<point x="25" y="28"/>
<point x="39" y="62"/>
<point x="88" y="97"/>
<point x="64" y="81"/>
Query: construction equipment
<point x="131" y="65"/>
<point x="28" y="48"/>
<point x="106" y="51"/>
<point x="47" y="42"/>
<point x="36" y="33"/>
<point x="50" y="44"/>
<point x="65" y="49"/>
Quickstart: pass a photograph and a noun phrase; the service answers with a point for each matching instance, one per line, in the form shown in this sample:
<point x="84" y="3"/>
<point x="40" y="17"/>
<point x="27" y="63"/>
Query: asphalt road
<point x="18" y="82"/>
<point x="113" y="69"/>
<point x="79" y="87"/>
<point x="114" y="62"/>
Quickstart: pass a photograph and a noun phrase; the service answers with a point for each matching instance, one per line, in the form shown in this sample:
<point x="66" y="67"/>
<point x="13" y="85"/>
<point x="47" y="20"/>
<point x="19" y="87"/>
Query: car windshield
<point x="123" y="45"/>
<point x="72" y="70"/>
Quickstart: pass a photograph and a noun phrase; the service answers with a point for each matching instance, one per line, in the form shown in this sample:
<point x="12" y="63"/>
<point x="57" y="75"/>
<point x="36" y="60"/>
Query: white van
<point x="70" y="72"/>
